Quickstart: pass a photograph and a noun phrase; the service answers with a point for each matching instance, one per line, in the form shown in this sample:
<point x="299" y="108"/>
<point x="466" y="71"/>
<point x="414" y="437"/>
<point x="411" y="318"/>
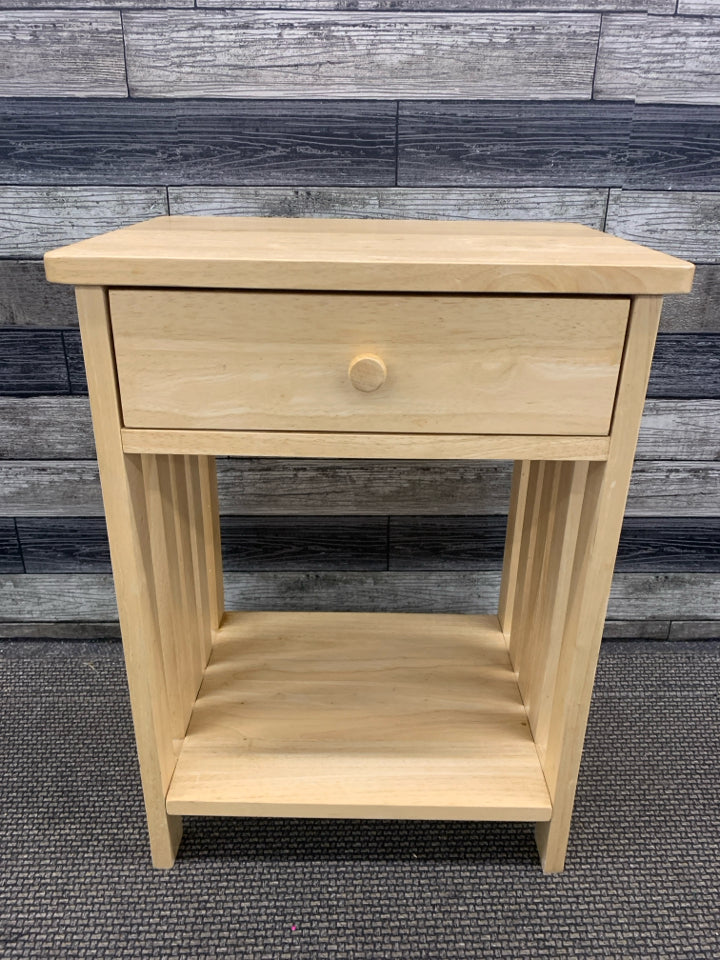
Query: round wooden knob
<point x="367" y="372"/>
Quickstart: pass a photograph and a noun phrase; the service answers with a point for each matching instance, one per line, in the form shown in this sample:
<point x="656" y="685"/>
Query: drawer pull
<point x="367" y="372"/>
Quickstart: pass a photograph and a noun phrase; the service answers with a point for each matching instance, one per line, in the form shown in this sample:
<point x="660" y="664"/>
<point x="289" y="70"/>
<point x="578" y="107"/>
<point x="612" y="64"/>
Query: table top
<point x="400" y="255"/>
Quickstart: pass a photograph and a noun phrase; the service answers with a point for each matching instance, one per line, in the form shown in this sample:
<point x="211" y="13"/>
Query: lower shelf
<point x="399" y="716"/>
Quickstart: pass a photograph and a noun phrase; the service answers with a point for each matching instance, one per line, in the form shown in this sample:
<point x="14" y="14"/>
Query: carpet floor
<point x="642" y="881"/>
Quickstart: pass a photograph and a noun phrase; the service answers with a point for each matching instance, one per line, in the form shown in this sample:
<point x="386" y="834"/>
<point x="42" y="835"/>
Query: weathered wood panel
<point x="695" y="630"/>
<point x="583" y="206"/>
<point x="636" y="630"/>
<point x="684" y="224"/>
<point x="260" y="54"/>
<point x="100" y="4"/>
<point x="674" y="147"/>
<point x="45" y="428"/>
<point x="47" y="53"/>
<point x="658" y="60"/>
<point x="75" y="362"/>
<point x="58" y="488"/>
<point x="32" y="362"/>
<point x="197" y="142"/>
<point x="698" y="7"/>
<point x="686" y="365"/>
<point x="10" y="557"/>
<point x="36" y="219"/>
<point x="655" y="545"/>
<point x="475" y="143"/>
<point x="73" y="597"/>
<point x="28" y="300"/>
<point x="697" y="311"/>
<point x="680" y="430"/>
<point x="654" y="6"/>
<point x="64" y="545"/>
<point x="73" y="630"/>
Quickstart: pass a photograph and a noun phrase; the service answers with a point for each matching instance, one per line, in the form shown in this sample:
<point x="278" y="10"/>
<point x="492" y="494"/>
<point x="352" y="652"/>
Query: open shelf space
<point x="366" y="715"/>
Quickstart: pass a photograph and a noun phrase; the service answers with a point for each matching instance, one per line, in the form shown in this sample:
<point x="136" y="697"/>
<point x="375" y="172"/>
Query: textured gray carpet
<point x="643" y="877"/>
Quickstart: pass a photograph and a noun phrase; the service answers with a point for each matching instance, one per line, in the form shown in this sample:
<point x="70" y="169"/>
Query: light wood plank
<point x="679" y="62"/>
<point x="213" y="547"/>
<point x="685" y="224"/>
<point x="370" y="445"/>
<point x="34" y="219"/>
<point x="287" y="362"/>
<point x="199" y="559"/>
<point x="493" y="56"/>
<point x="127" y="521"/>
<point x="359" y="715"/>
<point x="70" y="54"/>
<point x="597" y="540"/>
<point x="513" y="537"/>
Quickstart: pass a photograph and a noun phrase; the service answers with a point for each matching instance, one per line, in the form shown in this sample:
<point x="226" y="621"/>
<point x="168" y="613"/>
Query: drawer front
<point x="367" y="362"/>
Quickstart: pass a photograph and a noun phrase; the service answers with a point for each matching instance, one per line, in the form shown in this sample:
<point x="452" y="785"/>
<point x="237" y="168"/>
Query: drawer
<point x="367" y="362"/>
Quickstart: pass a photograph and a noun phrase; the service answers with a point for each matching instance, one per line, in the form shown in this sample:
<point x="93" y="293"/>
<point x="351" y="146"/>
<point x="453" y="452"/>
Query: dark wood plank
<point x="304" y="543"/>
<point x="197" y="142"/>
<point x="45" y="428"/>
<point x="635" y="596"/>
<point x="695" y="630"/>
<point x="671" y="487"/>
<point x="50" y="54"/>
<point x="33" y="220"/>
<point x="28" y="300"/>
<point x="636" y="630"/>
<point x="447" y="543"/>
<point x="445" y="203"/>
<point x="674" y="147"/>
<point x="50" y="488"/>
<point x="32" y="363"/>
<point x="10" y="556"/>
<point x="685" y="224"/>
<point x="686" y="365"/>
<point x="475" y="143"/>
<point x="679" y="62"/>
<point x="445" y="6"/>
<point x="54" y="631"/>
<point x="75" y="362"/>
<point x="647" y="544"/>
<point x="298" y="54"/>
<point x="697" y="311"/>
<point x="64" y="544"/>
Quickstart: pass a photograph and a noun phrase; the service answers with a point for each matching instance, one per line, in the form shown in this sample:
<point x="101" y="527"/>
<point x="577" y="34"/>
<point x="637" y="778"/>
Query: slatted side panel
<point x="585" y="110"/>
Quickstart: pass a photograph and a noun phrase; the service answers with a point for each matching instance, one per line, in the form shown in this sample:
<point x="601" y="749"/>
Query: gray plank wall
<point x="602" y="111"/>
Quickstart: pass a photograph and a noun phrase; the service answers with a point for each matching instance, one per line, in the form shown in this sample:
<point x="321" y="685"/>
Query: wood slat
<point x="478" y="144"/>
<point x="679" y="62"/>
<point x="694" y="630"/>
<point x="28" y="300"/>
<point x="353" y="54"/>
<point x="48" y="488"/>
<point x="684" y="224"/>
<point x="45" y="428"/>
<point x="680" y="430"/>
<point x="686" y="366"/>
<point x="674" y="147"/>
<point x="71" y="597"/>
<point x="581" y="6"/>
<point x="578" y="205"/>
<point x="697" y="311"/>
<point x="32" y="362"/>
<point x="697" y="7"/>
<point x="35" y="219"/>
<point x="64" y="141"/>
<point x="11" y="560"/>
<point x="69" y="54"/>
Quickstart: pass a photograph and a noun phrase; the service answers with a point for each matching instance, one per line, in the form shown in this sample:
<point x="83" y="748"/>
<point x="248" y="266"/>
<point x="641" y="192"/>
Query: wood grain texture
<point x="461" y="6"/>
<point x="40" y="428"/>
<point x="577" y="205"/>
<point x="658" y="60"/>
<point x="103" y="4"/>
<point x="679" y="430"/>
<point x="673" y="147"/>
<point x="11" y="560"/>
<point x="72" y="54"/>
<point x="73" y="597"/>
<point x="479" y="144"/>
<point x="304" y="543"/>
<point x="552" y="368"/>
<point x="72" y="630"/>
<point x="64" y="141"/>
<point x="697" y="8"/>
<point x="361" y="716"/>
<point x="28" y="300"/>
<point x="34" y="219"/>
<point x="494" y="56"/>
<point x="32" y="363"/>
<point x="684" y="224"/>
<point x="697" y="311"/>
<point x="371" y="488"/>
<point x="636" y="630"/>
<point x="64" y="544"/>
<point x="77" y="375"/>
<point x="686" y="366"/>
<point x="694" y="630"/>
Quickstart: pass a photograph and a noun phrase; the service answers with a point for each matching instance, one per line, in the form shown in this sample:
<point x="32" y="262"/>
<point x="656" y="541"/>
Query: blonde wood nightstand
<point x="373" y="339"/>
